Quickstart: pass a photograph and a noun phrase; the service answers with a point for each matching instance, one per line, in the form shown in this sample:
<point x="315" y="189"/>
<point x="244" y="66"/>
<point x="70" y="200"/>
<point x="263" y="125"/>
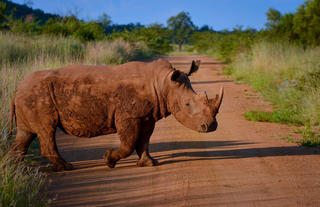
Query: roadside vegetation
<point x="282" y="62"/>
<point x="288" y="76"/>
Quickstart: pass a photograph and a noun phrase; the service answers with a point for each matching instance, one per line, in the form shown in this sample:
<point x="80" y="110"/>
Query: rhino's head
<point x="194" y="111"/>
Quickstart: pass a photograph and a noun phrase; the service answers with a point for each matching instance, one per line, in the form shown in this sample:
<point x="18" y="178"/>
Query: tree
<point x="28" y="3"/>
<point x="307" y="22"/>
<point x="2" y="13"/>
<point x="280" y="26"/>
<point x="104" y="20"/>
<point x="273" y="19"/>
<point x="182" y="27"/>
<point x="156" y="37"/>
<point x="204" y="28"/>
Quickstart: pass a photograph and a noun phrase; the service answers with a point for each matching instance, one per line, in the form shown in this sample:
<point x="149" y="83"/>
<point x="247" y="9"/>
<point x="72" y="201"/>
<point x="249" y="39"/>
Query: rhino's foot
<point x="147" y="162"/>
<point x="62" y="166"/>
<point x="108" y="159"/>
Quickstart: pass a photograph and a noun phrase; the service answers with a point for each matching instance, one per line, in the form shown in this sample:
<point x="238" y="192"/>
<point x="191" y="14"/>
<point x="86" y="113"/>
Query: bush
<point x="227" y="46"/>
<point x="115" y="52"/>
<point x="89" y="32"/>
<point x="71" y="26"/>
<point x="155" y="37"/>
<point x="206" y="42"/>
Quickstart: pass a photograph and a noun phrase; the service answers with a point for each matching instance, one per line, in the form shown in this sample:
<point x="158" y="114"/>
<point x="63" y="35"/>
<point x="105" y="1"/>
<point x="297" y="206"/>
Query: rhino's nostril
<point x="204" y="127"/>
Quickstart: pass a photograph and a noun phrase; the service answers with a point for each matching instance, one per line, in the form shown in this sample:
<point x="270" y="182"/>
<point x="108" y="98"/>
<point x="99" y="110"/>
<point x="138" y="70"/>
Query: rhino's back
<point x="87" y="97"/>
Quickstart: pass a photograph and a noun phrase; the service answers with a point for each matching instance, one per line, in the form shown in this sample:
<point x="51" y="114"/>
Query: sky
<point x="217" y="14"/>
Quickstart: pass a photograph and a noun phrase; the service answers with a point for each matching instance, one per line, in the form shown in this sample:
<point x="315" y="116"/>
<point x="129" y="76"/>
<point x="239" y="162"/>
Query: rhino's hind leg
<point x="128" y="131"/>
<point x="21" y="144"/>
<point x="142" y="147"/>
<point x="49" y="150"/>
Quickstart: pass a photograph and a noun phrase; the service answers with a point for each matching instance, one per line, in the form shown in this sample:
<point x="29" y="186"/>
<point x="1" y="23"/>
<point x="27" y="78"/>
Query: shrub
<point x="71" y="26"/>
<point x="155" y="37"/>
<point x="115" y="52"/>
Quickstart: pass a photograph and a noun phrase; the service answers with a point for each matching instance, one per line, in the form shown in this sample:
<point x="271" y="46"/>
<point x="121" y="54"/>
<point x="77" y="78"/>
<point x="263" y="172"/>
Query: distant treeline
<point x="301" y="28"/>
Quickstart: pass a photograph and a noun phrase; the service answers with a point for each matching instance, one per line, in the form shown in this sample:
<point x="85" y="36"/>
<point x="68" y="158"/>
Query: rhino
<point x="88" y="101"/>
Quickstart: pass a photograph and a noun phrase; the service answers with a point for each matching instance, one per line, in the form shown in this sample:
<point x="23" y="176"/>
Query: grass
<point x="277" y="116"/>
<point x="115" y="52"/>
<point x="20" y="183"/>
<point x="287" y="76"/>
<point x="185" y="50"/>
<point x="308" y="137"/>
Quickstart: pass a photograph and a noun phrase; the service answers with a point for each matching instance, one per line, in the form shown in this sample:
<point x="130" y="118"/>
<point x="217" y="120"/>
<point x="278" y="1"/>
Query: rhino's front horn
<point x="219" y="99"/>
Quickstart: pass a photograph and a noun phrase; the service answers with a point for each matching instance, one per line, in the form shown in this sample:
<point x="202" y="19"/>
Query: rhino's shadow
<point x="172" y="152"/>
<point x="239" y="153"/>
<point x="94" y="153"/>
<point x="93" y="184"/>
<point x="210" y="150"/>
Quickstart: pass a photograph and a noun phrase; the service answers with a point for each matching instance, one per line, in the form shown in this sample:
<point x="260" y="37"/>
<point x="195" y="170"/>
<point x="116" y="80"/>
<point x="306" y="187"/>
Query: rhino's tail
<point x="12" y="116"/>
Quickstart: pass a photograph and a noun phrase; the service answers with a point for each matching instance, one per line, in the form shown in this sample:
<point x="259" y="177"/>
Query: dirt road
<point x="243" y="163"/>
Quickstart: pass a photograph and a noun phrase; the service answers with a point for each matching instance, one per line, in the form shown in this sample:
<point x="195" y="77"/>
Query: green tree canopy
<point x="156" y="37"/>
<point x="273" y="18"/>
<point x="182" y="27"/>
<point x="2" y="13"/>
<point x="307" y="22"/>
<point x="104" y="20"/>
<point x="302" y="27"/>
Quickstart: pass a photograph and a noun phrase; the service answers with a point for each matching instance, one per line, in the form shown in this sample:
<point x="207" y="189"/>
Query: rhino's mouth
<point x="208" y="128"/>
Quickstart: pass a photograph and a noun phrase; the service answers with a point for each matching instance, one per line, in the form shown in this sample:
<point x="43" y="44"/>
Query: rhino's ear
<point x="194" y="67"/>
<point x="175" y="75"/>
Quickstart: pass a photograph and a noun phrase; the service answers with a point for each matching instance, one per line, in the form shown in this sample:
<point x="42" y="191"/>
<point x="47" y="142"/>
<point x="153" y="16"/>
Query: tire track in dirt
<point x="241" y="164"/>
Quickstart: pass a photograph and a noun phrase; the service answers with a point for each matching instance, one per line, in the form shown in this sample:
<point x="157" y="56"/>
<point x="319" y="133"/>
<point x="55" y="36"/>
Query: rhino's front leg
<point x="142" y="147"/>
<point x="128" y="131"/>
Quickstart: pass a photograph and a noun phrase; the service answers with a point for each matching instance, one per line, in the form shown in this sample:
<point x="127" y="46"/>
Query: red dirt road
<point x="243" y="163"/>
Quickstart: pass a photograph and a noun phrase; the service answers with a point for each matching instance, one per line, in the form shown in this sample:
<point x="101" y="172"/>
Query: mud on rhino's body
<point x="95" y="100"/>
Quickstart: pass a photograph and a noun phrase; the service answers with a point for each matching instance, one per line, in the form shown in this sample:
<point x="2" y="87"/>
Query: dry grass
<point x="115" y="52"/>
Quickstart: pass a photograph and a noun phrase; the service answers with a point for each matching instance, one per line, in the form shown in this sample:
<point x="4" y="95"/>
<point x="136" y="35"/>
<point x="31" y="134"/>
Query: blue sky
<point x="218" y="14"/>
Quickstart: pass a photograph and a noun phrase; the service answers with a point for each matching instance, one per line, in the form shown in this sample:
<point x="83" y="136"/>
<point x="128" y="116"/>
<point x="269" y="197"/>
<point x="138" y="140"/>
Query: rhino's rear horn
<point x="194" y="67"/>
<point x="218" y="101"/>
<point x="203" y="94"/>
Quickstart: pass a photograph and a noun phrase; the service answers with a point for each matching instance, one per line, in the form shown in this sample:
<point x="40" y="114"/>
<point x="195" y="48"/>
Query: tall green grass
<point x="286" y="75"/>
<point x="21" y="184"/>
